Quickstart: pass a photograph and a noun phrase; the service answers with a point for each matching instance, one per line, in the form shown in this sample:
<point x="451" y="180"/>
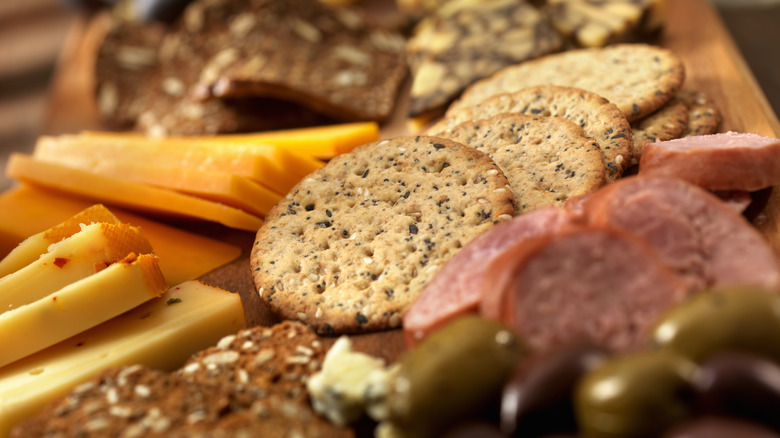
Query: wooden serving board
<point x="694" y="31"/>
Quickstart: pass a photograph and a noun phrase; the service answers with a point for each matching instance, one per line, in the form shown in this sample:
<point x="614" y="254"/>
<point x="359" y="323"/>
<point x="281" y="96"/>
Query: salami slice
<point x="595" y="283"/>
<point x="727" y="161"/>
<point x="454" y="290"/>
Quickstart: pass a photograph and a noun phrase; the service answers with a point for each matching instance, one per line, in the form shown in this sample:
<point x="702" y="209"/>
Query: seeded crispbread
<point x="595" y="24"/>
<point x="455" y="46"/>
<point x="353" y="244"/>
<point x="595" y="115"/>
<point x="250" y="384"/>
<point x="703" y="114"/>
<point x="126" y="59"/>
<point x="669" y="122"/>
<point x="638" y="78"/>
<point x="327" y="59"/>
<point x="547" y="160"/>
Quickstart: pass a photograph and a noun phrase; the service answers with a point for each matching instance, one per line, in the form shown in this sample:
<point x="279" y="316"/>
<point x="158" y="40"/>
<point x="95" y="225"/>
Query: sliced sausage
<point x="705" y="241"/>
<point x="728" y="161"/>
<point x="454" y="290"/>
<point x="583" y="283"/>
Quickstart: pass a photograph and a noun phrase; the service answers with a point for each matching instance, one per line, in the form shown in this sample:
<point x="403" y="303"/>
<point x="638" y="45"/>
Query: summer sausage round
<point x="454" y="291"/>
<point x="704" y="240"/>
<point x="583" y="283"/>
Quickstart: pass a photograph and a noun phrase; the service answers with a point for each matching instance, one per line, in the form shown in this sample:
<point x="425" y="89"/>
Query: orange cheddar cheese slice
<point x="160" y="334"/>
<point x="321" y="142"/>
<point x="34" y="246"/>
<point x="225" y="188"/>
<point x="183" y="255"/>
<point x="127" y="194"/>
<point x="276" y="168"/>
<point x="79" y="306"/>
<point x="71" y="259"/>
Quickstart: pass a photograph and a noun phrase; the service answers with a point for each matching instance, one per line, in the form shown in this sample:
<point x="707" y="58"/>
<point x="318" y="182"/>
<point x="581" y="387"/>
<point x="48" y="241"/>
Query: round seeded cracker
<point x="638" y="78"/>
<point x="547" y="160"/>
<point x="669" y="122"/>
<point x="353" y="244"/>
<point x="600" y="119"/>
<point x="703" y="114"/>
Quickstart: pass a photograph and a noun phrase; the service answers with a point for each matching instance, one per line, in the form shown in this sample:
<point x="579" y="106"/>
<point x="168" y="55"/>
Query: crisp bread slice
<point x="703" y="114"/>
<point x="324" y="58"/>
<point x="250" y="384"/>
<point x="669" y="122"/>
<point x="547" y="160"/>
<point x="638" y="78"/>
<point x="466" y="40"/>
<point x="599" y="118"/>
<point x="353" y="244"/>
<point x="596" y="23"/>
<point x="126" y="60"/>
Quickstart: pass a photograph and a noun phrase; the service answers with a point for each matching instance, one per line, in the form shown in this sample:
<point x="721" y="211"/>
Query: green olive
<point x="636" y="395"/>
<point x="453" y="372"/>
<point x="729" y="319"/>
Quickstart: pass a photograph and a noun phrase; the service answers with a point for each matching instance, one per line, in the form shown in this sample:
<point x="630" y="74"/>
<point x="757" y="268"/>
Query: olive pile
<point x="711" y="369"/>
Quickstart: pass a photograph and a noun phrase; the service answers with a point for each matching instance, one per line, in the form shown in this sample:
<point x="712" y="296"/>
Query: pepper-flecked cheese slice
<point x="183" y="255"/>
<point x="277" y="168"/>
<point x="34" y="246"/>
<point x="79" y="306"/>
<point x="70" y="260"/>
<point x="126" y="194"/>
<point x="321" y="142"/>
<point x="161" y="334"/>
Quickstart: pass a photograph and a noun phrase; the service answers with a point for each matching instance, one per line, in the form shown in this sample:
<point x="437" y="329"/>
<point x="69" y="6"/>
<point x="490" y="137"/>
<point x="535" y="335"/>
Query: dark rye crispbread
<point x="352" y="245"/>
<point x="327" y="59"/>
<point x="250" y="384"/>
<point x="599" y="118"/>
<point x="638" y="78"/>
<point x="466" y="40"/>
<point x="547" y="160"/>
<point x="598" y="23"/>
<point x="668" y="122"/>
<point x="703" y="114"/>
<point x="126" y="59"/>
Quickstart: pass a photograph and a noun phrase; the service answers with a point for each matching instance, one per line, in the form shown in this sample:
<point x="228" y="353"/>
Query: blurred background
<point x="33" y="33"/>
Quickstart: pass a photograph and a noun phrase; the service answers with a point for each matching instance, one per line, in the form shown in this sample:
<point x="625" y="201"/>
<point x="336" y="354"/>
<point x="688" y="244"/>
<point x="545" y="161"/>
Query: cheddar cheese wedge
<point x="79" y="306"/>
<point x="276" y="168"/>
<point x="321" y="142"/>
<point x="70" y="260"/>
<point x="161" y="334"/>
<point x="141" y="197"/>
<point x="35" y="209"/>
<point x="34" y="246"/>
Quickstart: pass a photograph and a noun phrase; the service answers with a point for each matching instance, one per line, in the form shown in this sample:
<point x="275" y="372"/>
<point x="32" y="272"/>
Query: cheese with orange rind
<point x="126" y="194"/>
<point x="69" y="260"/>
<point x="161" y="334"/>
<point x="79" y="306"/>
<point x="35" y="209"/>
<point x="34" y="246"/>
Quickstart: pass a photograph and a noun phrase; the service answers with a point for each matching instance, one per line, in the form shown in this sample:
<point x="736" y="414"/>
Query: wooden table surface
<point x="694" y="31"/>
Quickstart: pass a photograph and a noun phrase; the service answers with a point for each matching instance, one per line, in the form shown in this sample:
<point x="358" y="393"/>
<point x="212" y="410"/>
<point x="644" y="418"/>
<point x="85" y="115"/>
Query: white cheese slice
<point x="30" y="249"/>
<point x="161" y="334"/>
<point x="79" y="306"/>
<point x="70" y="260"/>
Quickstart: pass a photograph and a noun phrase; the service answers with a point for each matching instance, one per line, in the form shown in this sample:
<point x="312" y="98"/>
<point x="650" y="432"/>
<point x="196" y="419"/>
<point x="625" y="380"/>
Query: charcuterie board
<point x="693" y="31"/>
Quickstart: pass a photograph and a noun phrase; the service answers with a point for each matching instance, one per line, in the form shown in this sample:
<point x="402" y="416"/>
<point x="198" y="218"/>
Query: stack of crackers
<point x="352" y="246"/>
